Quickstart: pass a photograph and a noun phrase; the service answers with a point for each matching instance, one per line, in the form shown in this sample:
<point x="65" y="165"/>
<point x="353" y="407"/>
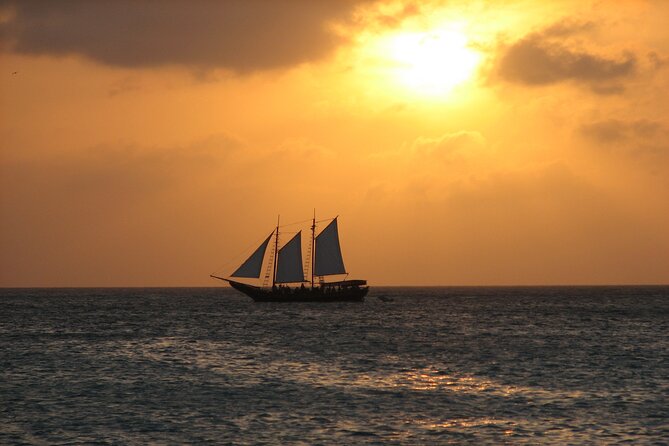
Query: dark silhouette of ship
<point x="285" y="267"/>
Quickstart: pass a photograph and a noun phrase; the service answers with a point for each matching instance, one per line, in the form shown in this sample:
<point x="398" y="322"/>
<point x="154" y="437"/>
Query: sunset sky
<point x="460" y="142"/>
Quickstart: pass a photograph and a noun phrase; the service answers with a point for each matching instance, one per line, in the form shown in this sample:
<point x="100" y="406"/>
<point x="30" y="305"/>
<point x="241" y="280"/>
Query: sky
<point x="460" y="142"/>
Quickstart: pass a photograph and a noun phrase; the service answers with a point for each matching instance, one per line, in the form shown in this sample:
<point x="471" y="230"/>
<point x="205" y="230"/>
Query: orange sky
<point x="461" y="142"/>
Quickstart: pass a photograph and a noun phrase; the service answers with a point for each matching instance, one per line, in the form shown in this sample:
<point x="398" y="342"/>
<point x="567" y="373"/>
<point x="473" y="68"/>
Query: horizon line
<point x="371" y="286"/>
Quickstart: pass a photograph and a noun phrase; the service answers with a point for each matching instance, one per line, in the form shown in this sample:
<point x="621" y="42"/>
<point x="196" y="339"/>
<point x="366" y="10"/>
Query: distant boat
<point x="287" y="271"/>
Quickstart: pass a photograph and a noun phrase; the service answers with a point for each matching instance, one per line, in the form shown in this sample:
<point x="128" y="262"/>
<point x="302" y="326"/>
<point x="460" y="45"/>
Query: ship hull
<point x="318" y="294"/>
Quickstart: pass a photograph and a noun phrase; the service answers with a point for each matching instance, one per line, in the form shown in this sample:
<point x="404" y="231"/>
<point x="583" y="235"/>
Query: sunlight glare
<point x="433" y="63"/>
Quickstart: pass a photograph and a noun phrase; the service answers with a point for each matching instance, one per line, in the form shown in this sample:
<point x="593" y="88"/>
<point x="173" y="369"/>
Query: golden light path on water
<point x="206" y="356"/>
<point x="496" y="366"/>
<point x="424" y="379"/>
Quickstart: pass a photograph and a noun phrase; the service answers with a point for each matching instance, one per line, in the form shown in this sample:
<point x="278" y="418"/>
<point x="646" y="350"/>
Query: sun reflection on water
<point x="230" y="360"/>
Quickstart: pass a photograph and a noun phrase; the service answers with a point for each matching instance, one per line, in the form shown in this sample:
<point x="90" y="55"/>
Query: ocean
<point x="429" y="366"/>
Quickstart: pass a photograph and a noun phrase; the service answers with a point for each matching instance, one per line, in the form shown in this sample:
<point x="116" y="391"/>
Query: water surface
<point x="551" y="365"/>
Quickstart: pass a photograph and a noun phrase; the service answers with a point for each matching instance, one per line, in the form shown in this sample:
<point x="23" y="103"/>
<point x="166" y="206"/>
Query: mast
<point x="276" y="251"/>
<point x="313" y="245"/>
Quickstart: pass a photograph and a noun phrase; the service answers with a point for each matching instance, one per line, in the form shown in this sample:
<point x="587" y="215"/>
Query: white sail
<point x="252" y="266"/>
<point x="328" y="260"/>
<point x="289" y="261"/>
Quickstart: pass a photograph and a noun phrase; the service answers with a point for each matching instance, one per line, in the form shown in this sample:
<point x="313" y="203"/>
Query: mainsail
<point x="289" y="262"/>
<point x="251" y="267"/>
<point x="328" y="260"/>
<point x="285" y="267"/>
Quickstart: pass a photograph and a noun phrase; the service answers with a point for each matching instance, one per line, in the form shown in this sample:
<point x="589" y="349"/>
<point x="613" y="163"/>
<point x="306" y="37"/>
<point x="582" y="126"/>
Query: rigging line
<point x="240" y="254"/>
<point x="294" y="223"/>
<point x="305" y="221"/>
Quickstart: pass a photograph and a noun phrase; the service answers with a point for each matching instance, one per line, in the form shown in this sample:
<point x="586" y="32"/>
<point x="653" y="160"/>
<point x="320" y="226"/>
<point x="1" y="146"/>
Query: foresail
<point x="252" y="266"/>
<point x="328" y="260"/>
<point x="289" y="262"/>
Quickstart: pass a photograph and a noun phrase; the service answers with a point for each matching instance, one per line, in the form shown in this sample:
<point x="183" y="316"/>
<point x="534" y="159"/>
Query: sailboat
<point x="287" y="270"/>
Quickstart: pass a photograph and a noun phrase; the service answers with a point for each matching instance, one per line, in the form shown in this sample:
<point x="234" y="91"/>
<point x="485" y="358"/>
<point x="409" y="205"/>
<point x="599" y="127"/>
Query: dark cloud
<point x="657" y="61"/>
<point x="545" y="57"/>
<point x="608" y="131"/>
<point x="618" y="131"/>
<point x="567" y="27"/>
<point x="641" y="139"/>
<point x="240" y="35"/>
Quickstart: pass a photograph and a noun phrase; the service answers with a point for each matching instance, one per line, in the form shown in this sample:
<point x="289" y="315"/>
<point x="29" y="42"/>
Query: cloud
<point x="301" y="150"/>
<point x="640" y="140"/>
<point x="498" y="227"/>
<point x="567" y="27"/>
<point x="656" y="60"/>
<point x="427" y="166"/>
<point x="239" y="35"/>
<point x="381" y="15"/>
<point x="107" y="176"/>
<point x="618" y="131"/>
<point x="428" y="154"/>
<point x="123" y="86"/>
<point x="114" y="211"/>
<point x="463" y="144"/>
<point x="546" y="57"/>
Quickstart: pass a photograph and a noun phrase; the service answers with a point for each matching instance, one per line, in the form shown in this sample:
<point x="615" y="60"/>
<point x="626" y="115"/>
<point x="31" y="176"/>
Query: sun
<point x="434" y="62"/>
